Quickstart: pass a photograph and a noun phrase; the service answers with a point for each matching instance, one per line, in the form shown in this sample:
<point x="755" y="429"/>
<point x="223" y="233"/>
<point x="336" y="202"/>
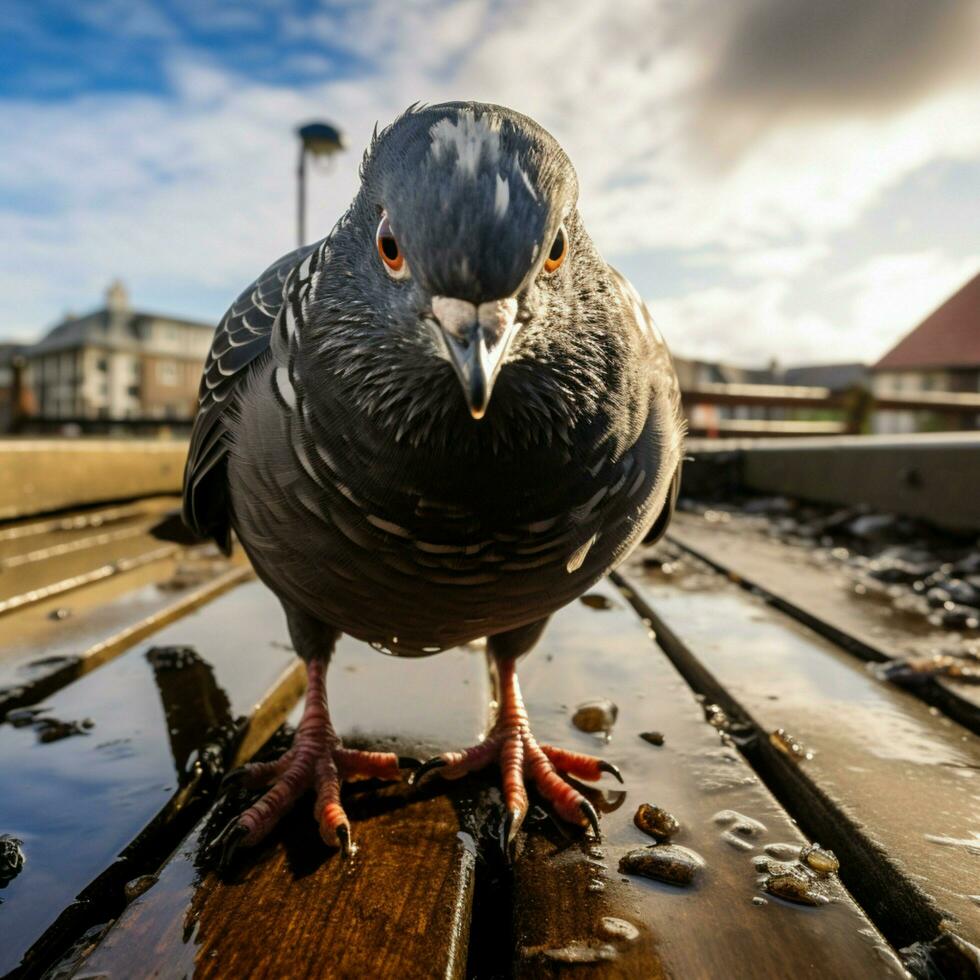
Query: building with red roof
<point x="941" y="354"/>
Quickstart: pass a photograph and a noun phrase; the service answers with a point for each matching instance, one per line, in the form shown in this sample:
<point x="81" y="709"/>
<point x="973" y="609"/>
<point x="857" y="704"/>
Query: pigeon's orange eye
<point x="388" y="249"/>
<point x="559" y="249"/>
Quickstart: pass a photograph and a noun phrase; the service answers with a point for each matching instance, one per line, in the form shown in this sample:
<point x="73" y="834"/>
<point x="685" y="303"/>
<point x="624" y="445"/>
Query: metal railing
<point x="787" y="410"/>
<point x="803" y="411"/>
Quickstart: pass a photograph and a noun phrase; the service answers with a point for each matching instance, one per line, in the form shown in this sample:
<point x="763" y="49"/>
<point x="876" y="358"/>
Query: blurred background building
<point x="116" y="364"/>
<point x="941" y="354"/>
<point x="124" y="369"/>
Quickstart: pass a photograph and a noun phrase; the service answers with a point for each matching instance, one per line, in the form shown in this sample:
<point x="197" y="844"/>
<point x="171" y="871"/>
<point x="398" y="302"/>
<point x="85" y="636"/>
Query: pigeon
<point x="443" y="421"/>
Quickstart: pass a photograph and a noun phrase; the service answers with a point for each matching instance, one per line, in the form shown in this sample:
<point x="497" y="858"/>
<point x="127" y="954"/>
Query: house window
<point x="167" y="372"/>
<point x="102" y="364"/>
<point x="134" y="391"/>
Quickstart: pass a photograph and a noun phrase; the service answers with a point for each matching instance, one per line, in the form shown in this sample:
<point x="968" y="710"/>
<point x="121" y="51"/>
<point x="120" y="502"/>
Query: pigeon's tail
<point x="172" y="528"/>
<point x="659" y="526"/>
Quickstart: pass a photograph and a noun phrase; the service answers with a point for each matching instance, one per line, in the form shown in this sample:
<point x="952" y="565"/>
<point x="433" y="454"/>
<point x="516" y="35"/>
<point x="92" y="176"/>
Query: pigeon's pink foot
<point x="317" y="759"/>
<point x="512" y="745"/>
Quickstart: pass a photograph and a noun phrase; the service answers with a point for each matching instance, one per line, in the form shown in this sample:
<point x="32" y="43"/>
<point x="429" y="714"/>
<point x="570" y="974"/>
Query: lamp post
<point x="321" y="140"/>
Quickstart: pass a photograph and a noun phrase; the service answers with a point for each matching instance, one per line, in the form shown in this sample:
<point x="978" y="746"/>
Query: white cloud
<point x="895" y="292"/>
<point x="745" y="326"/>
<point x="785" y="261"/>
<point x="879" y="302"/>
<point x="191" y="193"/>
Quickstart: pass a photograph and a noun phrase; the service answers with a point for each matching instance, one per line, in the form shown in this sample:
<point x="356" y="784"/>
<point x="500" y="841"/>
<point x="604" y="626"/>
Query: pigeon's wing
<point x="243" y="336"/>
<point x="668" y="395"/>
<point x="659" y="526"/>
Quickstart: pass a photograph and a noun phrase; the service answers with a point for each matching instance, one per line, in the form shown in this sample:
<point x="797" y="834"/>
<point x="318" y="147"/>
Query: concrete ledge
<point x="42" y="475"/>
<point x="935" y="477"/>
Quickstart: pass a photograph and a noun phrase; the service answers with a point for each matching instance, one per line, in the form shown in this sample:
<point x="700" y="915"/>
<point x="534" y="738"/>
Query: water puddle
<point x="794" y="885"/>
<point x="11" y="858"/>
<point x="596" y="600"/>
<point x="46" y="727"/>
<point x="669" y="863"/>
<point x="821" y="861"/>
<point x="789" y="745"/>
<point x="656" y="821"/>
<point x="574" y="953"/>
<point x="969" y="844"/>
<point x="596" y="717"/>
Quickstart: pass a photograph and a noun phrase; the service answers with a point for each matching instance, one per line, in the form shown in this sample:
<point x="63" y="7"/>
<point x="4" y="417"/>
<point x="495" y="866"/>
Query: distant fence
<point x="37" y="425"/>
<point x="830" y="413"/>
<point x="852" y="409"/>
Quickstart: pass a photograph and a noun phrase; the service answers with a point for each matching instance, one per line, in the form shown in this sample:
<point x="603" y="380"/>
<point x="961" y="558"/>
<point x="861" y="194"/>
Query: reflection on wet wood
<point x="816" y="598"/>
<point x="872" y="771"/>
<point x="80" y="802"/>
<point x="572" y="904"/>
<point x="400" y="908"/>
<point x="58" y="626"/>
<point x="23" y="586"/>
<point x="28" y="541"/>
<point x="104" y="780"/>
<point x="31" y="671"/>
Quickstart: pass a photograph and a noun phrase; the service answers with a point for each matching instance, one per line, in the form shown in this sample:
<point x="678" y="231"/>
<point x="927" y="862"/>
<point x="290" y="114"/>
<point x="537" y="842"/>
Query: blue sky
<point x="780" y="179"/>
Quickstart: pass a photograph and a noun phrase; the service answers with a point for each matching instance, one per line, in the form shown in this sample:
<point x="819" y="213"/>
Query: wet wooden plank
<point x="104" y="775"/>
<point x="30" y="540"/>
<point x="49" y="644"/>
<point x="400" y="908"/>
<point x="43" y="475"/>
<point x="825" y="601"/>
<point x="571" y="903"/>
<point x="871" y="771"/>
<point x="77" y="520"/>
<point x="119" y="551"/>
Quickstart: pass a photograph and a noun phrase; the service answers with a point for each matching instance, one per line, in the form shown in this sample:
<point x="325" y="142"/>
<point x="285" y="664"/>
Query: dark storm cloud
<point x="774" y="59"/>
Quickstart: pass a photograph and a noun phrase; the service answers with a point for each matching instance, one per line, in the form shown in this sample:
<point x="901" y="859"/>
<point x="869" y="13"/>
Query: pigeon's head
<point x="464" y="226"/>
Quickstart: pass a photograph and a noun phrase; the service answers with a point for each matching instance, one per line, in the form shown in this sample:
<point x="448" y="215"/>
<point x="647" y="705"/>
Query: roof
<point x="9" y="350"/>
<point x="836" y="377"/>
<point x="92" y="330"/>
<point x="947" y="338"/>
<point x="76" y="332"/>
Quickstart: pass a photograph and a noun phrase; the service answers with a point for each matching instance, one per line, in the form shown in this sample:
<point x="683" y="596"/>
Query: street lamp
<point x="321" y="140"/>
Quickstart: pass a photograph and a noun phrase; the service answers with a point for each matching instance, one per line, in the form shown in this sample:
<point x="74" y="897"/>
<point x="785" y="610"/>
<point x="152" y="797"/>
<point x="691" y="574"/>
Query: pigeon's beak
<point x="476" y="340"/>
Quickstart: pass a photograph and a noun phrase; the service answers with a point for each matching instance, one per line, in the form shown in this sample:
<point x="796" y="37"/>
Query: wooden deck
<point x="134" y="673"/>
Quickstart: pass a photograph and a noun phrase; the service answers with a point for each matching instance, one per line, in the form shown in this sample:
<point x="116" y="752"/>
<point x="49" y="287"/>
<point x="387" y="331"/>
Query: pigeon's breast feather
<point x="375" y="551"/>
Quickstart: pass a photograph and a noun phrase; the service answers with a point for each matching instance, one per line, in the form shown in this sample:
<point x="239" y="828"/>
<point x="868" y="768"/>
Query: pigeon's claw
<point x="513" y="746"/>
<point x="255" y="775"/>
<point x="347" y="846"/>
<point x="227" y="843"/>
<point x="580" y="765"/>
<point x="565" y="800"/>
<point x="317" y="760"/>
<point x="436" y="762"/>
<point x="354" y="764"/>
<point x="588" y="811"/>
<point x="521" y="759"/>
